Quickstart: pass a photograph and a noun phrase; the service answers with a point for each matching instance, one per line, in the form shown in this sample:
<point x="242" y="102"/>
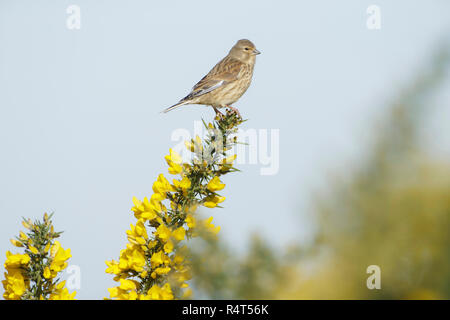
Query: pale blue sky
<point x="81" y="132"/>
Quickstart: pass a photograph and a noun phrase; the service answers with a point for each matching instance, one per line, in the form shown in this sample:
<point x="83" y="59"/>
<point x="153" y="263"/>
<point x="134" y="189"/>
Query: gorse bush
<point x="155" y="264"/>
<point x="33" y="275"/>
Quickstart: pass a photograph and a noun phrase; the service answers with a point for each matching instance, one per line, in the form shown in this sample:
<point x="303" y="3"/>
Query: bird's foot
<point x="219" y="115"/>
<point x="236" y="111"/>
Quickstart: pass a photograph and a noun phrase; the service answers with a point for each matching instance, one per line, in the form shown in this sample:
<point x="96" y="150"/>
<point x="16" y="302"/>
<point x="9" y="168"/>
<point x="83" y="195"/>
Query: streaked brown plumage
<point x="227" y="81"/>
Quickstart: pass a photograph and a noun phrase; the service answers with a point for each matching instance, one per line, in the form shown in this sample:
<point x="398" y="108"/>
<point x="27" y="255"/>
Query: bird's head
<point x="244" y="50"/>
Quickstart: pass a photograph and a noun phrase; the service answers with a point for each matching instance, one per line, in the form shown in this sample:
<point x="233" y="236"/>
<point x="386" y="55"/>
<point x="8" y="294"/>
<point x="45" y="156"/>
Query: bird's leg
<point x="236" y="111"/>
<point x="218" y="113"/>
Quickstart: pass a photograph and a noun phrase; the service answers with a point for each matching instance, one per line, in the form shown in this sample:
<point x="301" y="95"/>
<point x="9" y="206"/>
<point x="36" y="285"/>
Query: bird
<point x="227" y="81"/>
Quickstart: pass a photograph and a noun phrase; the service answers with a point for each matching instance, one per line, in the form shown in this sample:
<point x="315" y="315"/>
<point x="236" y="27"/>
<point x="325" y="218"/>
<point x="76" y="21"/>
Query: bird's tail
<point x="179" y="104"/>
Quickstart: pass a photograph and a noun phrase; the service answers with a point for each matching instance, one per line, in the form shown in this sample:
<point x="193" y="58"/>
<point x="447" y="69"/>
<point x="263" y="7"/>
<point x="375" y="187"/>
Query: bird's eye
<point x="246" y="49"/>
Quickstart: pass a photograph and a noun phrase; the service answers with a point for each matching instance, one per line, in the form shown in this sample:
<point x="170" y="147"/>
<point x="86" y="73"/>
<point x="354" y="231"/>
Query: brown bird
<point x="227" y="81"/>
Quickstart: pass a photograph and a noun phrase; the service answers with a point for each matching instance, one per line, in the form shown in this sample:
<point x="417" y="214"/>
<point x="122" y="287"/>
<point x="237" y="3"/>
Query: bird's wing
<point x="223" y="73"/>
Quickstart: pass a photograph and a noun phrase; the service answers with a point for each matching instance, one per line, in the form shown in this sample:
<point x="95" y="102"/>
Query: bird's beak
<point x="256" y="52"/>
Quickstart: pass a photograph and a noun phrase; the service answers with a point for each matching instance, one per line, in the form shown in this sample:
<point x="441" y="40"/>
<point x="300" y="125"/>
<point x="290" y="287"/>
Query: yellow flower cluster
<point x="58" y="258"/>
<point x="31" y="275"/>
<point x="16" y="282"/>
<point x="156" y="266"/>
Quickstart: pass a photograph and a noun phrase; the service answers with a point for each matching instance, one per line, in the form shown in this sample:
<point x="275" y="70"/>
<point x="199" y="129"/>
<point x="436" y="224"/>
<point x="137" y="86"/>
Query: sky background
<point x="81" y="132"/>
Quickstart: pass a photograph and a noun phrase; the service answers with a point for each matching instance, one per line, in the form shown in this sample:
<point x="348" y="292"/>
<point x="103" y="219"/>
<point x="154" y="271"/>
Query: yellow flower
<point x="115" y="292"/>
<point x="166" y="292"/>
<point x="144" y="274"/>
<point x="146" y="209"/>
<point x="138" y="205"/>
<point x="168" y="247"/>
<point x="127" y="284"/>
<point x="14" y="284"/>
<point x="182" y="275"/>
<point x="133" y="257"/>
<point x="154" y="292"/>
<point x="162" y="186"/>
<point x="229" y="159"/>
<point x="189" y="145"/>
<point x="158" y="293"/>
<point x="187" y="294"/>
<point x="140" y="229"/>
<point x="113" y="267"/>
<point x="179" y="233"/>
<point x="62" y="294"/>
<point x="47" y="273"/>
<point x="174" y="161"/>
<point x="178" y="259"/>
<point x="27" y="224"/>
<point x="23" y="236"/>
<point x="198" y="143"/>
<point x="174" y="157"/>
<point x="132" y="295"/>
<point x="174" y="168"/>
<point x="137" y="260"/>
<point x="159" y="258"/>
<point x="152" y="244"/>
<point x="16" y="243"/>
<point x="226" y="164"/>
<point x="163" y="232"/>
<point x="16" y="260"/>
<point x="215" y="184"/>
<point x="190" y="221"/>
<point x="33" y="250"/>
<point x="162" y="270"/>
<point x="212" y="201"/>
<point x="121" y="294"/>
<point x="210" y="227"/>
<point x="138" y="234"/>
<point x="59" y="257"/>
<point x="184" y="184"/>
